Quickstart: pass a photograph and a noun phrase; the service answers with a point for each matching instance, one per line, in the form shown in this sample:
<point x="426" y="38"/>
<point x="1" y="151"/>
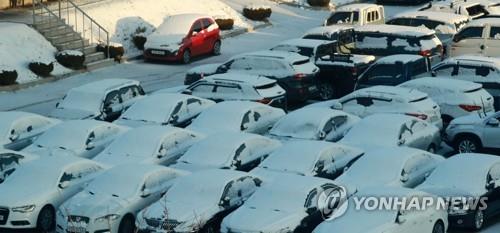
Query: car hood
<point x="206" y="70"/>
<point x="72" y="114"/>
<point x="132" y="123"/>
<point x="162" y="41"/>
<point x="113" y="160"/>
<point x="21" y="195"/>
<point x="447" y="191"/>
<point x="93" y="206"/>
<point x="245" y="218"/>
<point x="43" y="151"/>
<point x="186" y="213"/>
<point x="192" y="167"/>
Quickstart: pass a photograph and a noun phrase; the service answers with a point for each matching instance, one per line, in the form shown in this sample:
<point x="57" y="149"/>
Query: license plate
<point x="73" y="229"/>
<point x="157" y="52"/>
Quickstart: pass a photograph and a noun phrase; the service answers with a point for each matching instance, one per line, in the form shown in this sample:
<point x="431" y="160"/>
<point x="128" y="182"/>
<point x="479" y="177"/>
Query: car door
<point x="491" y="133"/>
<point x="225" y="92"/>
<point x="203" y="90"/>
<point x="420" y="137"/>
<point x="493" y="42"/>
<point x="179" y="114"/>
<point x="112" y="106"/>
<point x="492" y="185"/>
<point x="470" y="40"/>
<point x="197" y="38"/>
<point x="211" y="34"/>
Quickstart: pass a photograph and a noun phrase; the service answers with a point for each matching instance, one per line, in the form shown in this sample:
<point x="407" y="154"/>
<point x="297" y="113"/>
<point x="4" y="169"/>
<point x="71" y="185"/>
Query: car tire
<point x="186" y="56"/>
<point x="216" y="49"/>
<point x="467" y="144"/>
<point x="326" y="91"/>
<point x="478" y="220"/>
<point x="438" y="227"/>
<point x="46" y="219"/>
<point x="127" y="225"/>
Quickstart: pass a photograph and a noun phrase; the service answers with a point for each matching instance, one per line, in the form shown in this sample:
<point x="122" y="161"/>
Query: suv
<point x="102" y="100"/>
<point x="305" y="47"/>
<point x="394" y="70"/>
<point x="474" y="132"/>
<point x="480" y="36"/>
<point x="357" y="14"/>
<point x="473" y="9"/>
<point x="478" y="69"/>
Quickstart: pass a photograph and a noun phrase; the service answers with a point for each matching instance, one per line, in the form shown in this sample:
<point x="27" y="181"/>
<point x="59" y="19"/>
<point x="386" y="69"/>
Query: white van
<point x="473" y="9"/>
<point x="480" y="37"/>
<point x="357" y="14"/>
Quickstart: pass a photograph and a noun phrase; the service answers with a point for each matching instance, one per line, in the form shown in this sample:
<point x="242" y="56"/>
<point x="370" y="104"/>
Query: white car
<point x="227" y="150"/>
<point x="237" y="116"/>
<point x="357" y="14"/>
<point x="310" y="158"/>
<point x="112" y="200"/>
<point x="472" y="9"/>
<point x="164" y="109"/>
<point x="82" y="138"/>
<point x="479" y="37"/>
<point x="288" y="203"/>
<point x="388" y="99"/>
<point x="392" y="220"/>
<point x="394" y="130"/>
<point x="474" y="133"/>
<point x="455" y="98"/>
<point x="33" y="192"/>
<point x="313" y="123"/>
<point x="11" y="160"/>
<point x="18" y="129"/>
<point x="389" y="166"/>
<point x="101" y="100"/>
<point x="148" y="144"/>
<point x="198" y="202"/>
<point x="307" y="47"/>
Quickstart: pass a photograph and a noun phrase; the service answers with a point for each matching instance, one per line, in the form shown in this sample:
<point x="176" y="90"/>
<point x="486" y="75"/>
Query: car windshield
<point x="304" y="51"/>
<point x="191" y="190"/>
<point x="81" y="100"/>
<point x="63" y="138"/>
<point x="116" y="185"/>
<point x="343" y="17"/>
<point x="175" y="25"/>
<point x="291" y="127"/>
<point x="272" y="198"/>
<point x="142" y="146"/>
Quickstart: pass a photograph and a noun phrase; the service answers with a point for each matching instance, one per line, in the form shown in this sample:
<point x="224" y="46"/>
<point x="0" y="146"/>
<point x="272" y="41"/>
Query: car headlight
<point x="24" y="209"/>
<point x="109" y="217"/>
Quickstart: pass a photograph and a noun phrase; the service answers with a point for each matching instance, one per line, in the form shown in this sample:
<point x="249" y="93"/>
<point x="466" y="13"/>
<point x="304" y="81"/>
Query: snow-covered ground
<point x="20" y="45"/>
<point x="332" y="2"/>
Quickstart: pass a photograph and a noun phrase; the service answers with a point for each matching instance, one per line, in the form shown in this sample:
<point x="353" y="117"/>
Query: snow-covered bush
<point x="7" y="76"/>
<point x="41" y="69"/>
<point x="224" y="23"/>
<point x="322" y="3"/>
<point x="139" y="37"/>
<point x="116" y="50"/>
<point x="257" y="13"/>
<point x="71" y="58"/>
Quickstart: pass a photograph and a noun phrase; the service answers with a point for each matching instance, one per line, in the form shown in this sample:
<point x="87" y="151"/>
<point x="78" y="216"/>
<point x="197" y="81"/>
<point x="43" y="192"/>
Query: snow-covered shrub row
<point x="42" y="69"/>
<point x="257" y="13"/>
<point x="116" y="50"/>
<point x="224" y="23"/>
<point x="8" y="76"/>
<point x="71" y="58"/>
<point x="322" y="3"/>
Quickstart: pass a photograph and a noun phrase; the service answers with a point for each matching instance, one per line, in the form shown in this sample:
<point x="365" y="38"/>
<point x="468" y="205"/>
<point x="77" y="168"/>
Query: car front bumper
<point x="162" y="55"/>
<point x="462" y="221"/>
<point x="15" y="220"/>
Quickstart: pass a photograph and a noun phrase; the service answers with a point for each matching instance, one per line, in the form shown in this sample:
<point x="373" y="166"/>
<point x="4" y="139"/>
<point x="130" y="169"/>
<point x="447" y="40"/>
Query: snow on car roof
<point x="179" y="24"/>
<point x="356" y="7"/>
<point x="405" y="94"/>
<point x="254" y="80"/>
<point x="433" y="15"/>
<point x="328" y="29"/>
<point x="155" y="107"/>
<point x="102" y="86"/>
<point x="396" y="30"/>
<point x="484" y="21"/>
<point x="450" y="85"/>
<point x="210" y="177"/>
<point x="304" y="42"/>
<point x="474" y="59"/>
<point x="280" y="55"/>
<point x="404" y="58"/>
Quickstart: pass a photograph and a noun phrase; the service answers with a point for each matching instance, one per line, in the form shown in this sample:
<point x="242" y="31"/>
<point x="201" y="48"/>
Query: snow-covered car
<point x="394" y="130"/>
<point x="394" y="70"/>
<point x="481" y="37"/>
<point x="288" y="203"/>
<point x="306" y="47"/>
<point x="357" y="14"/>
<point x="474" y="132"/>
<point x="474" y="177"/>
<point x="101" y="100"/>
<point x="387" y="99"/>
<point x="11" y="160"/>
<point x="148" y="144"/>
<point x="340" y="33"/>
<point x="242" y="87"/>
<point x="313" y="123"/>
<point x="445" y="24"/>
<point x="19" y="129"/>
<point x="227" y="150"/>
<point x="82" y="138"/>
<point x="237" y="116"/>
<point x="293" y="72"/>
<point x="110" y="202"/>
<point x="478" y="69"/>
<point x="164" y="109"/>
<point x="389" y="166"/>
<point x="181" y="37"/>
<point x="198" y="202"/>
<point x="33" y="192"/>
<point x="472" y="9"/>
<point x="455" y="98"/>
<point x="389" y="220"/>
<point x="310" y="158"/>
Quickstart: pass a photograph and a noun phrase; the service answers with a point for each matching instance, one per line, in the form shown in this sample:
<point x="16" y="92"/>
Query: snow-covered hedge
<point x="7" y="76"/>
<point x="257" y="13"/>
<point x="224" y="23"/>
<point x="139" y="40"/>
<point x="42" y="69"/>
<point x="322" y="3"/>
<point x="71" y="58"/>
<point x="116" y="50"/>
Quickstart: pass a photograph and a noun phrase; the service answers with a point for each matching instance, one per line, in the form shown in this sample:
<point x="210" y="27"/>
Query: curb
<point x="17" y="87"/>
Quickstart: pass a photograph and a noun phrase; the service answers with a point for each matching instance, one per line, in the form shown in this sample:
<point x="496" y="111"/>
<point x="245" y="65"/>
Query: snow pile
<point x="20" y="45"/>
<point x="123" y="19"/>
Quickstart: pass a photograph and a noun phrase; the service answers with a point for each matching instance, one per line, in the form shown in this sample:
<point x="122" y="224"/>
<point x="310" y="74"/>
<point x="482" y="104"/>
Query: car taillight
<point x="470" y="108"/>
<point x="418" y="115"/>
<point x="426" y="53"/>
<point x="299" y="76"/>
<point x="264" y="101"/>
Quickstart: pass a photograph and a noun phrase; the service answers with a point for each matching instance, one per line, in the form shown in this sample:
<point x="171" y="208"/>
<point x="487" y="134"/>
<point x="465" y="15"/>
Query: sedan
<point x="82" y="138"/>
<point x="227" y="150"/>
<point x="31" y="195"/>
<point x="475" y="177"/>
<point x="198" y="202"/>
<point x="11" y="160"/>
<point x="164" y="109"/>
<point x="394" y="130"/>
<point x="111" y="202"/>
<point x="315" y="123"/>
<point x="148" y="144"/>
<point x="237" y="116"/>
<point x="18" y="129"/>
<point x="324" y="159"/>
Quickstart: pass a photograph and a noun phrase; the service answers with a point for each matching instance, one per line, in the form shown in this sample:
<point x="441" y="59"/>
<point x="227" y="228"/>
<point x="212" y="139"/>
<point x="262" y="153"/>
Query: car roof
<point x="189" y="16"/>
<point x="311" y="114"/>
<point x="135" y="171"/>
<point x="152" y="132"/>
<point x="293" y="183"/>
<point x="484" y="21"/>
<point x="404" y="58"/>
<point x="356" y="6"/>
<point x="11" y="116"/>
<point x="105" y="85"/>
<point x="212" y="176"/>
<point x="451" y="85"/>
<point x="305" y="42"/>
<point x="159" y="103"/>
<point x="80" y="125"/>
<point x="475" y="58"/>
<point x="405" y="94"/>
<point x="276" y="55"/>
<point x="434" y="15"/>
<point x="254" y="80"/>
<point x="395" y="30"/>
<point x="389" y="156"/>
<point x="328" y="29"/>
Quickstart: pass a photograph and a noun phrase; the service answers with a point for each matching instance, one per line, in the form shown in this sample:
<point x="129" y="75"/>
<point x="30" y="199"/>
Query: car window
<point x="311" y="199"/>
<point x="203" y="88"/>
<point x="245" y="121"/>
<point x="365" y="101"/>
<point x="341" y="17"/>
<point x="112" y="98"/>
<point x="265" y="64"/>
<point x="470" y="32"/>
<point x="431" y="24"/>
<point x="207" y="22"/>
<point x="177" y="109"/>
<point x="405" y="131"/>
<point x="495" y="33"/>
<point x="128" y="93"/>
<point x="445" y="70"/>
<point x="339" y="121"/>
<point x="239" y="64"/>
<point x="400" y="21"/>
<point x="76" y="173"/>
<point x="197" y="26"/>
<point x="385" y="71"/>
<point x="417" y="163"/>
<point x="419" y="67"/>
<point x="228" y="90"/>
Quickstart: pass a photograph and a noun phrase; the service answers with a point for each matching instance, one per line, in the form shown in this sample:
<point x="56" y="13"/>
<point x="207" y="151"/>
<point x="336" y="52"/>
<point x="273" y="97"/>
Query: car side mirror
<point x="194" y="33"/>
<point x="493" y="122"/>
<point x="400" y="219"/>
<point x="90" y="146"/>
<point x="401" y="141"/>
<point x="405" y="178"/>
<point x="162" y="153"/>
<point x="63" y="184"/>
<point x="337" y="106"/>
<point x="225" y="202"/>
<point x="57" y="105"/>
<point x="146" y="193"/>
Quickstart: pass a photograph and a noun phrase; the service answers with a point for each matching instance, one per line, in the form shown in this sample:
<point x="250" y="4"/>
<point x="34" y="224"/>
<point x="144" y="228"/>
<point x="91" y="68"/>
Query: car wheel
<point x="326" y="91"/>
<point x="478" y="220"/>
<point x="431" y="149"/>
<point x="186" y="56"/>
<point x="46" y="219"/>
<point x="467" y="144"/>
<point x="127" y="225"/>
<point x="438" y="227"/>
<point x="217" y="48"/>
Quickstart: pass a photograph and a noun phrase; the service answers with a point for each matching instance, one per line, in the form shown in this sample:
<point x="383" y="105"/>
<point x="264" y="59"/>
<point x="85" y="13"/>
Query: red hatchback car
<point x="182" y="37"/>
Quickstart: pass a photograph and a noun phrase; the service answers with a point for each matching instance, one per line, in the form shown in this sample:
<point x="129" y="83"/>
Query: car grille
<point x="75" y="218"/>
<point x="166" y="53"/>
<point x="4" y="215"/>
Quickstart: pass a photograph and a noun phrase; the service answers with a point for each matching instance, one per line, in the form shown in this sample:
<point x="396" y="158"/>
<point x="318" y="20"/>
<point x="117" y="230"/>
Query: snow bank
<point x="20" y="45"/>
<point x="126" y="18"/>
<point x="332" y="2"/>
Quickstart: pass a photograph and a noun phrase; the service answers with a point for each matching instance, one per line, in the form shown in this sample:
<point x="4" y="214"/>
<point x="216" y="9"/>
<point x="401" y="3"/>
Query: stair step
<point x="54" y="31"/>
<point x="94" y="57"/>
<point x="90" y="49"/>
<point x="48" y="25"/>
<point x="72" y="45"/>
<point x="62" y="38"/>
<point x="100" y="64"/>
